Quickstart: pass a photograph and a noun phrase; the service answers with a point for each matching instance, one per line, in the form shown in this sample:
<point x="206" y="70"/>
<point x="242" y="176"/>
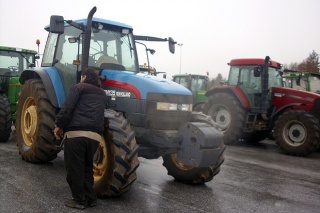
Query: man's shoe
<point x="73" y="204"/>
<point x="92" y="203"/>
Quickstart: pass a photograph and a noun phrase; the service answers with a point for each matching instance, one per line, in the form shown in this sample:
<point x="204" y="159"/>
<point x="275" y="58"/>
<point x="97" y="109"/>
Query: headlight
<point x="173" y="107"/>
<point x="186" y="107"/>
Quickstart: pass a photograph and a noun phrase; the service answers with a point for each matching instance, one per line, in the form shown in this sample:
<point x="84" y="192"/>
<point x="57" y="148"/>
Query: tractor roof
<point x="297" y="72"/>
<point x="253" y="61"/>
<point x="186" y="74"/>
<point x="99" y="20"/>
<point x="16" y="49"/>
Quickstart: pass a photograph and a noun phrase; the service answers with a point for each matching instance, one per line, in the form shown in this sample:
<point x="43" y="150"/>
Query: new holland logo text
<point x="114" y="93"/>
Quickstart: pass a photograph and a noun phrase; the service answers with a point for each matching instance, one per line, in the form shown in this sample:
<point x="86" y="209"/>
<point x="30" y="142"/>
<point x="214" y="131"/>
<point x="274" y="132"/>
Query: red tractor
<point x="254" y="102"/>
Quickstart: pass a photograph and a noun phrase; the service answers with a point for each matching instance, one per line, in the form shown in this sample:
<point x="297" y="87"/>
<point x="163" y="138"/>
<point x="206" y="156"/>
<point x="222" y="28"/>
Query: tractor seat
<point x="106" y="60"/>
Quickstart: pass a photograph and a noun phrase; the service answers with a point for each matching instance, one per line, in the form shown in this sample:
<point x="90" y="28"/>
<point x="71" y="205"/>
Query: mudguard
<point x="200" y="145"/>
<point x="51" y="80"/>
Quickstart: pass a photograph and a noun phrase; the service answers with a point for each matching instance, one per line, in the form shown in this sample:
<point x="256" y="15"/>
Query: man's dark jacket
<point x="83" y="109"/>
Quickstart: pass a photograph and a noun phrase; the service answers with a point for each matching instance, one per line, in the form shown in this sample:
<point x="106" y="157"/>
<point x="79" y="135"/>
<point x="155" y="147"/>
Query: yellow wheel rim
<point x="179" y="164"/>
<point x="100" y="160"/>
<point x="29" y="121"/>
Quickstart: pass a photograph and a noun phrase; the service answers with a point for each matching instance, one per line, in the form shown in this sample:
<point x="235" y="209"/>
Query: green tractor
<point x="12" y="62"/>
<point x="197" y="84"/>
<point x="302" y="80"/>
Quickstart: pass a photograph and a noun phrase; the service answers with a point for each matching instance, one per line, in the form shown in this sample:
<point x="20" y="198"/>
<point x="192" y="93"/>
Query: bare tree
<point x="216" y="81"/>
<point x="310" y="64"/>
<point x="292" y="66"/>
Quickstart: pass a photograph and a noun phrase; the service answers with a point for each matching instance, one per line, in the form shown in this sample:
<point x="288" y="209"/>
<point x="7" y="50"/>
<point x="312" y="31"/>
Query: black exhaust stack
<point x="265" y="86"/>
<point x="87" y="38"/>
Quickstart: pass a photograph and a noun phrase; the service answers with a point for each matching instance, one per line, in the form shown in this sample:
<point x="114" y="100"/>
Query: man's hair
<point x="91" y="77"/>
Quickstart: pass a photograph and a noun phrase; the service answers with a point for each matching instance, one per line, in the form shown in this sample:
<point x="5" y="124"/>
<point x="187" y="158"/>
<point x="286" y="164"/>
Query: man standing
<point x="81" y="123"/>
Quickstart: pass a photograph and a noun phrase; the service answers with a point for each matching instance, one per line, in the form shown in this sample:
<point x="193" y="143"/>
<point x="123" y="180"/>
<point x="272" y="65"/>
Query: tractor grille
<point x="166" y="120"/>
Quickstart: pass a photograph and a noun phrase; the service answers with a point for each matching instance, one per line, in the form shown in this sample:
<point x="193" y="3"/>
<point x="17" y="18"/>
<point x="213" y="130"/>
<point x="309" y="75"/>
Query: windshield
<point x="182" y="80"/>
<point x="109" y="48"/>
<point x="198" y="84"/>
<point x="314" y="83"/>
<point x="193" y="83"/>
<point x="243" y="75"/>
<point x="13" y="63"/>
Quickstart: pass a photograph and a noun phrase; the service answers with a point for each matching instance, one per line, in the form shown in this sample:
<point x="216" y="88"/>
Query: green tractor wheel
<point x="5" y="118"/>
<point x="116" y="160"/>
<point x="34" y="123"/>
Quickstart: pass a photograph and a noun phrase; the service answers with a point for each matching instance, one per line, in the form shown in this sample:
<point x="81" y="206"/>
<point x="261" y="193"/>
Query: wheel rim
<point x="221" y="116"/>
<point x="100" y="160"/>
<point x="29" y="121"/>
<point x="179" y="164"/>
<point x="294" y="133"/>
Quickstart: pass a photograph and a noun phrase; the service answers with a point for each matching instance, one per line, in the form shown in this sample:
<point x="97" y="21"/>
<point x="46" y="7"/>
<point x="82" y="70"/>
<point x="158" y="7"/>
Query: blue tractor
<point x="145" y="116"/>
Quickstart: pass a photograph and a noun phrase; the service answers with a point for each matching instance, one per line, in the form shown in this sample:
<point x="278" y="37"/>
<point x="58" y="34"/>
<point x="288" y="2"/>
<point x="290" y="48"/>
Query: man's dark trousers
<point x="78" y="157"/>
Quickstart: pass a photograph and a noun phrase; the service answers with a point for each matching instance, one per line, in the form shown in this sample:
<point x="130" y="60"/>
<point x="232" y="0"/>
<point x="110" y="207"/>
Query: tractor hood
<point x="283" y="96"/>
<point x="141" y="84"/>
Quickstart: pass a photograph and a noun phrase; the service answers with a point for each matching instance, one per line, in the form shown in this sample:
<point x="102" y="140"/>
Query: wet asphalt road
<point x="255" y="178"/>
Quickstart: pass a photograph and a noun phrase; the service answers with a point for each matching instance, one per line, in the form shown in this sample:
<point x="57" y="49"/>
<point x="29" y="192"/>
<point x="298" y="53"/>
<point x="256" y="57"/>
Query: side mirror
<point x="256" y="72"/>
<point x="164" y="75"/>
<point x="57" y="24"/>
<point x="171" y="45"/>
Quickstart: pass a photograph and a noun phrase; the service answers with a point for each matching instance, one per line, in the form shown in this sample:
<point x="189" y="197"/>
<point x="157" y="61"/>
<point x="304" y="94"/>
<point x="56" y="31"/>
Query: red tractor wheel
<point x="228" y="113"/>
<point x="297" y="133"/>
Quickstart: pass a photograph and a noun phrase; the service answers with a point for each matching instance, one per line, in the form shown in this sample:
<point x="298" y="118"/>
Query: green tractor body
<point x="302" y="80"/>
<point x="197" y="84"/>
<point x="12" y="62"/>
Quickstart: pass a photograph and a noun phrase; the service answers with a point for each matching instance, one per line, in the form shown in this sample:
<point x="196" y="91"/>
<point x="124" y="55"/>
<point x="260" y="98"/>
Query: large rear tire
<point x="193" y="175"/>
<point x="116" y="160"/>
<point x="297" y="133"/>
<point x="5" y="118"/>
<point x="34" y="123"/>
<point x="228" y="113"/>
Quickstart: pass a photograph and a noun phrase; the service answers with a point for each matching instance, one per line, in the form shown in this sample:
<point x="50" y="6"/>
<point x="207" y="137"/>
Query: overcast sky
<point x="212" y="31"/>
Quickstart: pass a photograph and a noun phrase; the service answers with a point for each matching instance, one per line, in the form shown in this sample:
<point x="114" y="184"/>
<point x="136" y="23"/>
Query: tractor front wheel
<point x="297" y="133"/>
<point x="189" y="174"/>
<point x="5" y="118"/>
<point x="35" y="123"/>
<point x="116" y="160"/>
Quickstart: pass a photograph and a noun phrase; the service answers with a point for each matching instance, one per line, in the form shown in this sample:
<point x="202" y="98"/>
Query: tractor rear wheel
<point x="193" y="175"/>
<point x="297" y="133"/>
<point x="116" y="160"/>
<point x="5" y="118"/>
<point x="228" y="113"/>
<point x="34" y="123"/>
